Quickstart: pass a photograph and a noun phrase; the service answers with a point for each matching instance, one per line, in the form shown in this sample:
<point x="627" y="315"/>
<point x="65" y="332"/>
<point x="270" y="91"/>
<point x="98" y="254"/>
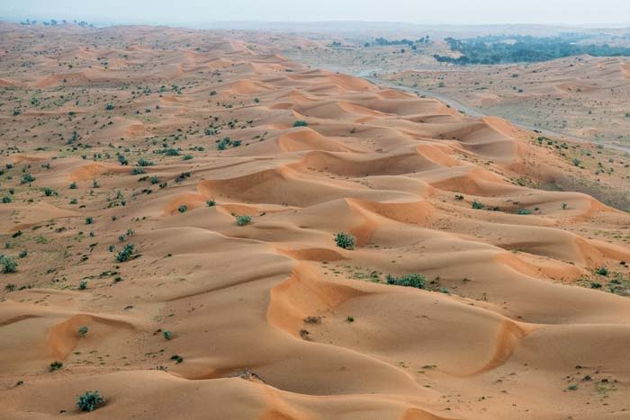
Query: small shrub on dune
<point x="345" y="240"/>
<point x="300" y="123"/>
<point x="90" y="401"/>
<point x="7" y="264"/>
<point x="6" y="199"/>
<point x="523" y="211"/>
<point x="27" y="178"/>
<point x="477" y="205"/>
<point x="602" y="271"/>
<point x="410" y="280"/>
<point x="243" y="220"/>
<point x="82" y="331"/>
<point x="55" y="366"/>
<point x="211" y="203"/>
<point x="144" y="162"/>
<point x="183" y="208"/>
<point x="48" y="192"/>
<point x="125" y="254"/>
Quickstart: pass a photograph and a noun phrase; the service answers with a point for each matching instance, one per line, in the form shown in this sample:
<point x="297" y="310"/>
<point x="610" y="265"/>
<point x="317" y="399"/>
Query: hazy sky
<point x="417" y="11"/>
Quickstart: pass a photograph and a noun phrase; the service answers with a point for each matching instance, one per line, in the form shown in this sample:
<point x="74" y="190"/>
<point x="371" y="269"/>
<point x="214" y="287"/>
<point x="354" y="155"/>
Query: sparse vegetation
<point x="410" y="280"/>
<point x="345" y="240"/>
<point x="7" y="264"/>
<point x="90" y="401"/>
<point x="126" y="253"/>
<point x="55" y="366"/>
<point x="82" y="331"/>
<point x="243" y="220"/>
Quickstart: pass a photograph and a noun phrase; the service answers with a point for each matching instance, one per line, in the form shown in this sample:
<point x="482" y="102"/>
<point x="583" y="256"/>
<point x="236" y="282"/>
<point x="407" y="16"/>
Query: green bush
<point x="243" y="220"/>
<point x="183" y="208"/>
<point x="410" y="280"/>
<point x="27" y="178"/>
<point x="523" y="211"/>
<point x="477" y="205"/>
<point x="49" y="191"/>
<point x="6" y="199"/>
<point x="125" y="253"/>
<point x="345" y="240"/>
<point x="90" y="401"/>
<point x="7" y="264"/>
<point x="211" y="203"/>
<point x="300" y="123"/>
<point x="602" y="271"/>
<point x="82" y="331"/>
<point x="55" y="366"/>
<point x="109" y="107"/>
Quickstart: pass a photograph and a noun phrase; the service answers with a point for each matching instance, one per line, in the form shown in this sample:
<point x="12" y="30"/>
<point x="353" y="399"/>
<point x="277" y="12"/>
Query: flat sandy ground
<point x="586" y="97"/>
<point x="130" y="153"/>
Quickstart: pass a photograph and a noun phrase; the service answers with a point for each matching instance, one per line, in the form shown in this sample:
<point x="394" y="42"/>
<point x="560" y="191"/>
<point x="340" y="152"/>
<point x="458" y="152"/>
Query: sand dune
<point x="267" y="318"/>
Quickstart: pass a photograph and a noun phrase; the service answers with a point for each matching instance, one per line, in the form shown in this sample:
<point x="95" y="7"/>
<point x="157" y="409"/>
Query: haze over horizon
<point x="199" y="12"/>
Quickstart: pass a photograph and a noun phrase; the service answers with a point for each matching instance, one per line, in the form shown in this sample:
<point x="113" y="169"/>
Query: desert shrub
<point x="83" y="284"/>
<point x="211" y="203"/>
<point x="144" y="162"/>
<point x="410" y="280"/>
<point x="300" y="123"/>
<point x="125" y="253"/>
<point x="27" y="178"/>
<point x="23" y="254"/>
<point x="82" y="331"/>
<point x="171" y="152"/>
<point x="187" y="157"/>
<point x="6" y="199"/>
<point x="226" y="142"/>
<point x="138" y="171"/>
<point x="154" y="180"/>
<point x="73" y="186"/>
<point x="523" y="211"/>
<point x="345" y="240"/>
<point x="167" y="335"/>
<point x="7" y="264"/>
<point x="89" y="220"/>
<point x="243" y="220"/>
<point x="49" y="191"/>
<point x="602" y="271"/>
<point x="90" y="401"/>
<point x="183" y="208"/>
<point x="55" y="366"/>
<point x="109" y="107"/>
<point x="477" y="205"/>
